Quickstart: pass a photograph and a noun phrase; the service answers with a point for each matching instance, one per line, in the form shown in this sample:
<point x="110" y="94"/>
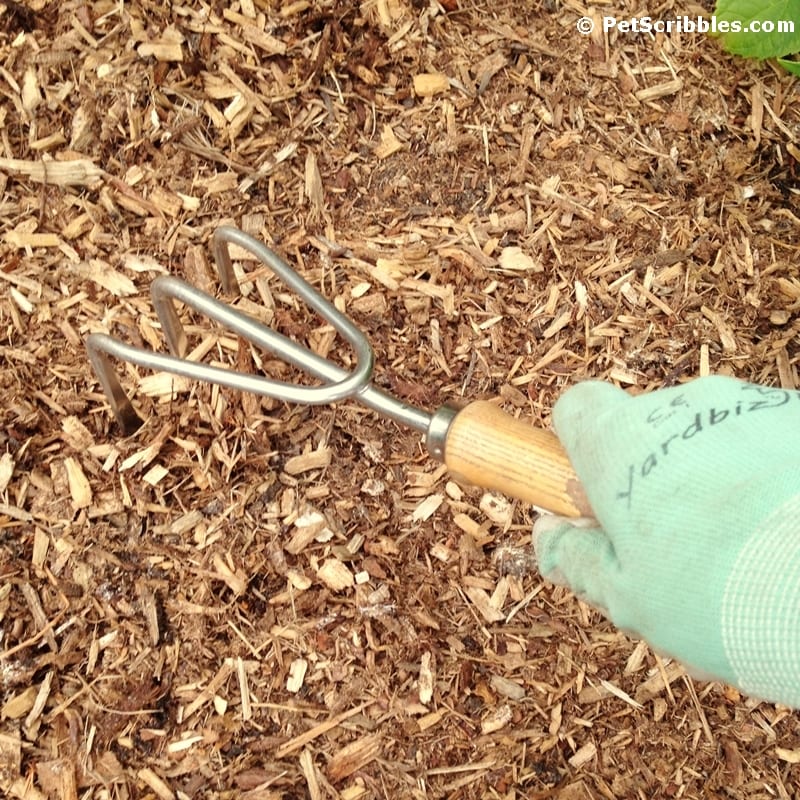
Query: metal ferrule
<point x="436" y="435"/>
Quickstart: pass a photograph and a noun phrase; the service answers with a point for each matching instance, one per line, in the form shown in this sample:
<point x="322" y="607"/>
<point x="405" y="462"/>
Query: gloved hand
<point x="696" y="490"/>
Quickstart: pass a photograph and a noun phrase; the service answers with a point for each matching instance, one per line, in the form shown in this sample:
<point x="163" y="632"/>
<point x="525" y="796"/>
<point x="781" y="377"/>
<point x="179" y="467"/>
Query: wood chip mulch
<point x="250" y="599"/>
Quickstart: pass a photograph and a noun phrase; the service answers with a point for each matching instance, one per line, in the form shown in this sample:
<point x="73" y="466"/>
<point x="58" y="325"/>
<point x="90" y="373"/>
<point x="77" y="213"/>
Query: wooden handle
<point x="488" y="448"/>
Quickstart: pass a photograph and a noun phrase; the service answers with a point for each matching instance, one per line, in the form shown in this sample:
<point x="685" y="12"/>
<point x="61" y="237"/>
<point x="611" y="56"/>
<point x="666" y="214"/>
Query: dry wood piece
<point x="6" y="470"/>
<point x="37" y="611"/>
<point x="508" y="688"/>
<point x="583" y="755"/>
<point x="10" y="761"/>
<point x="726" y="336"/>
<point x="659" y="682"/>
<point x="311" y="775"/>
<point x="244" y="690"/>
<point x="660" y="90"/>
<point x="232" y="578"/>
<point x="427" y="508"/>
<point x="515" y="259"/>
<point x="76" y="172"/>
<point x="156" y="783"/>
<point x="319" y="730"/>
<point x="427" y="84"/>
<point x="308" y="461"/>
<point x="19" y="705"/>
<point x="496" y="720"/>
<point x="166" y="49"/>
<point x="353" y="757"/>
<point x="426" y="679"/>
<point x="297" y="674"/>
<point x="58" y="777"/>
<point x="335" y="575"/>
<point x="208" y="692"/>
<point x="311" y="525"/>
<point x="497" y="508"/>
<point x="389" y="143"/>
<point x="790" y="756"/>
<point x="483" y="604"/>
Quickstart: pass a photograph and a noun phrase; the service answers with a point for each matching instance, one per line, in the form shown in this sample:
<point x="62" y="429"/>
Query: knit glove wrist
<point x="696" y="490"/>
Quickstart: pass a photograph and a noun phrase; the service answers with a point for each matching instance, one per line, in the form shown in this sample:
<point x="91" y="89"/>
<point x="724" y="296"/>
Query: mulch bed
<point x="252" y="599"/>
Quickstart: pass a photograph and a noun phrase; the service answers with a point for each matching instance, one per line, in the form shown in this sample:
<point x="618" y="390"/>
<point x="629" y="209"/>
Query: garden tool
<point x="480" y="444"/>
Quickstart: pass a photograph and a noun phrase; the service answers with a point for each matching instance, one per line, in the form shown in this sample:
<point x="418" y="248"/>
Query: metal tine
<point x="99" y="347"/>
<point x="339" y="383"/>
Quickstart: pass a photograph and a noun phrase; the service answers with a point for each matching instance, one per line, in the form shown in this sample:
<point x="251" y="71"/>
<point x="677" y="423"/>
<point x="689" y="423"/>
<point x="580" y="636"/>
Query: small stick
<point x="309" y="736"/>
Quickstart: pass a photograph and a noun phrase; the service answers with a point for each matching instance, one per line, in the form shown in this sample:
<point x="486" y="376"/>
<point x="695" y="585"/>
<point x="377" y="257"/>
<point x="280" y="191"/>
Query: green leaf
<point x="790" y="66"/>
<point x="757" y="44"/>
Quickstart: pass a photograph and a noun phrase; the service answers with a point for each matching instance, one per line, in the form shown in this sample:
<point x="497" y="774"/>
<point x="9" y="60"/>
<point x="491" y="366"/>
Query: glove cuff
<point x="761" y="609"/>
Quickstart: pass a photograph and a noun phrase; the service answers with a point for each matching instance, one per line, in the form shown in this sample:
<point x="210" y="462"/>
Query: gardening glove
<point x="696" y="544"/>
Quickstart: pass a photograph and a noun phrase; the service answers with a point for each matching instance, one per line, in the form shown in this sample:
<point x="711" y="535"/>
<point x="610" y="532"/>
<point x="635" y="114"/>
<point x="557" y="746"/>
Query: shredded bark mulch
<point x="257" y="600"/>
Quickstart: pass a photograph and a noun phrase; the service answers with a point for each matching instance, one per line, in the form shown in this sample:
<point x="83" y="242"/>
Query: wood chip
<point x="389" y="144"/>
<point x="167" y="47"/>
<point x="508" y="688"/>
<point x="335" y="575"/>
<point x="10" y="759"/>
<point x="79" y="488"/>
<point x="6" y="470"/>
<point x="726" y="335"/>
<point x="157" y="784"/>
<point x="19" y="705"/>
<point x="76" y="434"/>
<point x="427" y="84"/>
<point x="426" y="679"/>
<point x="515" y="259"/>
<point x="297" y="674"/>
<point x="316" y="459"/>
<point x="210" y="690"/>
<point x="311" y="774"/>
<point x="427" y="508"/>
<point x="155" y="474"/>
<point x="354" y="756"/>
<point x="319" y="730"/>
<point x="583" y="755"/>
<point x="497" y="508"/>
<point x="78" y="172"/>
<point x="244" y="689"/>
<point x="427" y="721"/>
<point x="614" y="169"/>
<point x="298" y="580"/>
<point x="654" y="685"/>
<point x="236" y="582"/>
<point x="660" y="90"/>
<point x="789" y="756"/>
<point x="23" y="236"/>
<point x="496" y="720"/>
<point x="310" y="526"/>
<point x="483" y="604"/>
<point x="106" y="277"/>
<point x="57" y="777"/>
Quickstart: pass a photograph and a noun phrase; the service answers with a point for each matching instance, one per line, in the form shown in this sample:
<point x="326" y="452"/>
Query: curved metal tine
<point x="99" y="346"/>
<point x="165" y="289"/>
<point x="339" y="383"/>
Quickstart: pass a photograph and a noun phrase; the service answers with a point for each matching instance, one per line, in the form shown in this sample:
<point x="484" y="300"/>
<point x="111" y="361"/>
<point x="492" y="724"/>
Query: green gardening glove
<point x="696" y="491"/>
